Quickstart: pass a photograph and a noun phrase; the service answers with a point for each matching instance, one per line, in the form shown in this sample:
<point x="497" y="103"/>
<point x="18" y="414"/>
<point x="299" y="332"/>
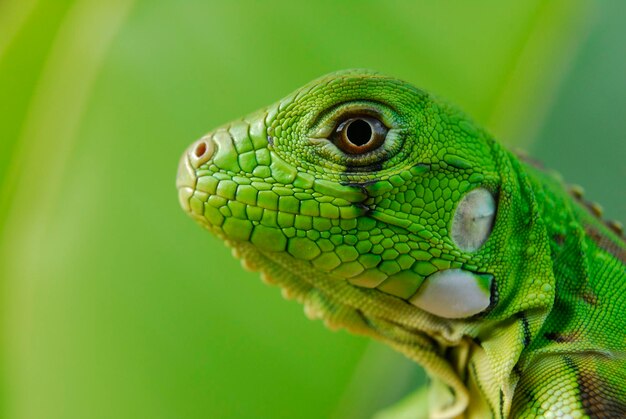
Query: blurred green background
<point x="116" y="305"/>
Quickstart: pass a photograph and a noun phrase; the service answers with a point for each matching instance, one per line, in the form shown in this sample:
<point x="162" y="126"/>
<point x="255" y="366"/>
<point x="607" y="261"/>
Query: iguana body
<point x="390" y="213"/>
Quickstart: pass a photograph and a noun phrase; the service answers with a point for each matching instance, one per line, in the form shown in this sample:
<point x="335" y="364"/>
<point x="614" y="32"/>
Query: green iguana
<point x="388" y="212"/>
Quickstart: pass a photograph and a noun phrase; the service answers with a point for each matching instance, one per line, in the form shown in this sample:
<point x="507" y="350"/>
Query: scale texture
<point x="388" y="212"/>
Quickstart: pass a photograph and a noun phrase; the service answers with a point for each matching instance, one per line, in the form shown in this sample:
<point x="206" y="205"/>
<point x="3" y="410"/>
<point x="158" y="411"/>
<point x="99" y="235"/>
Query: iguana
<point x="390" y="213"/>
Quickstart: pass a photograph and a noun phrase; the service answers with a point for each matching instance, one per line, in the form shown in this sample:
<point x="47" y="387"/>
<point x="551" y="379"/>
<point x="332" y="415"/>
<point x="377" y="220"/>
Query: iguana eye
<point x="359" y="134"/>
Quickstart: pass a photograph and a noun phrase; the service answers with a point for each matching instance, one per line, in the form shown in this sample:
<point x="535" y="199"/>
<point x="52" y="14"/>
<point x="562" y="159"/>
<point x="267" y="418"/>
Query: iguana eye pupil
<point x="359" y="134"/>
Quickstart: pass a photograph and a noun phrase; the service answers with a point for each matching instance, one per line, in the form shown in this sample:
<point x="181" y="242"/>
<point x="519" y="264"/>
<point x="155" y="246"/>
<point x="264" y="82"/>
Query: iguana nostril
<point x="200" y="149"/>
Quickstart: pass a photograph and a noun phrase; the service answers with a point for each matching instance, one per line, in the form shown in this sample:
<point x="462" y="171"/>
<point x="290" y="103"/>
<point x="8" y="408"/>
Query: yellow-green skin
<point x="353" y="237"/>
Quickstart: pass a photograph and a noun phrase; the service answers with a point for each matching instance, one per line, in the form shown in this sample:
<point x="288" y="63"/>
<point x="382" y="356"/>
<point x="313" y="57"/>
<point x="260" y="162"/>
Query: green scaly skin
<point x="358" y="238"/>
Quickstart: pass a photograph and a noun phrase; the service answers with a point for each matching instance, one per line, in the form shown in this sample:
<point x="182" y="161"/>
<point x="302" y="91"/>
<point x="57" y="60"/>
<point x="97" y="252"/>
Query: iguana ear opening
<point x="473" y="220"/>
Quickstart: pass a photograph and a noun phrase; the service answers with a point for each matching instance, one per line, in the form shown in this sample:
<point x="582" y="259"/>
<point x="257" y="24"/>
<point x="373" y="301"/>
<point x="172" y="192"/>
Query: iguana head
<point x="378" y="206"/>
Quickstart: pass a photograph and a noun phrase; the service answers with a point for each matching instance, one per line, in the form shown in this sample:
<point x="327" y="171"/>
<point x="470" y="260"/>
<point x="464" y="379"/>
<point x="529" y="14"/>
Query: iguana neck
<point x="588" y="260"/>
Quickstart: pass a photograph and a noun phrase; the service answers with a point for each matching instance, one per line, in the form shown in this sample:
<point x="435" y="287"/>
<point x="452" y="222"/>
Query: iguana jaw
<point x="232" y="208"/>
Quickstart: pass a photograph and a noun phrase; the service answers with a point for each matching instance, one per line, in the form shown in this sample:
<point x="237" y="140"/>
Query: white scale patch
<point x="454" y="294"/>
<point x="473" y="220"/>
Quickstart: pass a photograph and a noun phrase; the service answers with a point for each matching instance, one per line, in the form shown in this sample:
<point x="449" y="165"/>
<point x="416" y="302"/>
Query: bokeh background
<point x="114" y="304"/>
